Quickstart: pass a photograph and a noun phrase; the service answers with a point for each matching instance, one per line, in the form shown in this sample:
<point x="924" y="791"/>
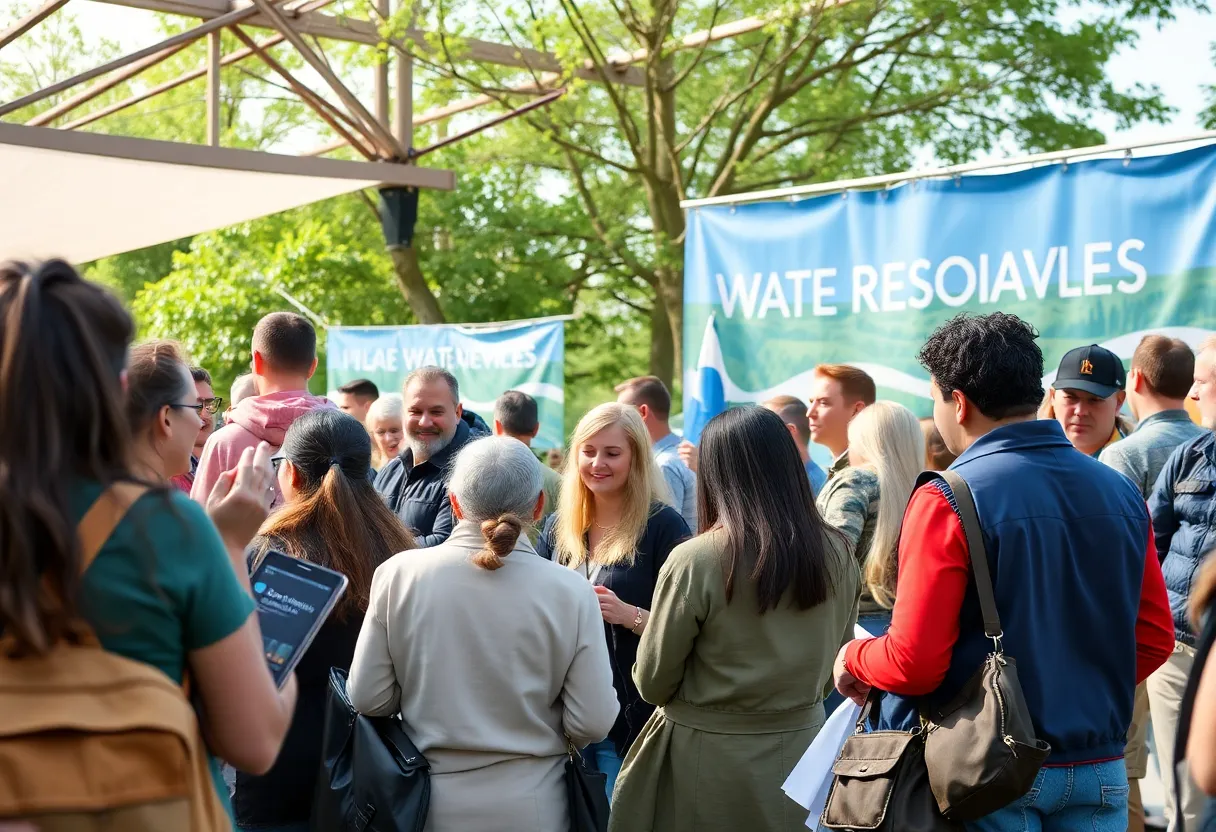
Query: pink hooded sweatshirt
<point x="256" y="419"/>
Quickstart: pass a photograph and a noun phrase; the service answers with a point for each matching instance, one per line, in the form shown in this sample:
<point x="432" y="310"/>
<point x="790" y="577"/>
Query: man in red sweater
<point x="1074" y="569"/>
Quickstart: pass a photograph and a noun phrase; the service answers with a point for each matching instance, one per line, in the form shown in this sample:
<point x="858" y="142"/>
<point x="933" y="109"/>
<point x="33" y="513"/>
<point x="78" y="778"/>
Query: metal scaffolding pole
<point x="214" y="62"/>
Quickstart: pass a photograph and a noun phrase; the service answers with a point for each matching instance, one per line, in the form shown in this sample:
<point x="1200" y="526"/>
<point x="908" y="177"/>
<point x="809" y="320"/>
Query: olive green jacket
<point x="740" y="696"/>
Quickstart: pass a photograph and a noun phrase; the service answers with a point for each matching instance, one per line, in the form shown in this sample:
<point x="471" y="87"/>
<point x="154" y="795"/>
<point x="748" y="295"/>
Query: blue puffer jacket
<point x="1183" y="505"/>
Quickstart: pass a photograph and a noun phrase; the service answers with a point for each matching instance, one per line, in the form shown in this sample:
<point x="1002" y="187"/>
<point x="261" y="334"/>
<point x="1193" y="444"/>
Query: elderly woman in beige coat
<point x="493" y="655"/>
<point x="746" y="622"/>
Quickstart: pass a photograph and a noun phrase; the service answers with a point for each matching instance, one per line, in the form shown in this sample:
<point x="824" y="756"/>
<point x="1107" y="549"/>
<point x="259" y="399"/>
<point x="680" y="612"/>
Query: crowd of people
<point x="681" y="616"/>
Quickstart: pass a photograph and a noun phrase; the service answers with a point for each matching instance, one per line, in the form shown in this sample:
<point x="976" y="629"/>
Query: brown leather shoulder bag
<point x="879" y="782"/>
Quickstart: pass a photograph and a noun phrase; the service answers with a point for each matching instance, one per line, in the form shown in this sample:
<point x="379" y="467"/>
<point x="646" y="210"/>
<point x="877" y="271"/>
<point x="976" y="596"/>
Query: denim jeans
<point x="602" y="757"/>
<point x="1087" y="796"/>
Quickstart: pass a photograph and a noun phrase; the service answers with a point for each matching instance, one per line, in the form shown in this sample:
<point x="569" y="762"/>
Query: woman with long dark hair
<point x="332" y="517"/>
<point x="162" y="590"/>
<point x="746" y="621"/>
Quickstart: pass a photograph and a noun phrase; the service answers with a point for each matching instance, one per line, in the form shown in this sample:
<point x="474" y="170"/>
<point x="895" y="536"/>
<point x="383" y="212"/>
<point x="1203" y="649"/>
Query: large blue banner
<point x="487" y="361"/>
<point x="1100" y="252"/>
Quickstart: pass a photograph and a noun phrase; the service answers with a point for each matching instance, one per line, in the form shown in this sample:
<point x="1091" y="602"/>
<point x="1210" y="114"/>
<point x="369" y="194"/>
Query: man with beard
<point x="436" y="427"/>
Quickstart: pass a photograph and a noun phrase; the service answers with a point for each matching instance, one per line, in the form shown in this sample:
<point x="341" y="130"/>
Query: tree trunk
<point x="662" y="348"/>
<point x="663" y="198"/>
<point x="413" y="285"/>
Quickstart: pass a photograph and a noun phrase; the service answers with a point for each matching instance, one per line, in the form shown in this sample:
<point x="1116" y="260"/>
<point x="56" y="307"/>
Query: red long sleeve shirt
<point x="934" y="569"/>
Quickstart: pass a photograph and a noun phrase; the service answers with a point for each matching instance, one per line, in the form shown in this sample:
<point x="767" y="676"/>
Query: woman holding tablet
<point x="523" y="662"/>
<point x="162" y="589"/>
<point x="332" y="517"/>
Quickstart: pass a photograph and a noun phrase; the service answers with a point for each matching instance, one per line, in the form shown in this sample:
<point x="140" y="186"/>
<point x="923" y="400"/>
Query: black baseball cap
<point x="1092" y="369"/>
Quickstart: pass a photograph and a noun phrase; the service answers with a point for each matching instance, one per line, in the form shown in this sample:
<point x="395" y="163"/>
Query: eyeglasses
<point x="211" y="406"/>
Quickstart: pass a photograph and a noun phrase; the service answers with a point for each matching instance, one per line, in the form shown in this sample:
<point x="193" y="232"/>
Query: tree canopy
<point x="574" y="207"/>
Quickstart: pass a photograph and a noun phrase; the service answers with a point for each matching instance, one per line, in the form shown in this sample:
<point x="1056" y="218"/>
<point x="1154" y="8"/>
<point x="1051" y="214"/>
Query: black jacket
<point x="633" y="584"/>
<point x="418" y="494"/>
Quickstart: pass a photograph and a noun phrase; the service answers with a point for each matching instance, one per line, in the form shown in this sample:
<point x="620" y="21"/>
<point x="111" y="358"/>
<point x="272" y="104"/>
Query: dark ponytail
<point x="501" y="536"/>
<point x="337" y="520"/>
<point x="63" y="346"/>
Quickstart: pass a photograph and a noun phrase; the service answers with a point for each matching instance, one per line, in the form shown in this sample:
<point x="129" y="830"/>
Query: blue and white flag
<point x="708" y="393"/>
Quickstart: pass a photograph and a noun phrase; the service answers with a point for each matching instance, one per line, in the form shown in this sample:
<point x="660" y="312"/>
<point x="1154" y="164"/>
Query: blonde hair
<point x="889" y="437"/>
<point x="576" y="506"/>
<point x="389" y="406"/>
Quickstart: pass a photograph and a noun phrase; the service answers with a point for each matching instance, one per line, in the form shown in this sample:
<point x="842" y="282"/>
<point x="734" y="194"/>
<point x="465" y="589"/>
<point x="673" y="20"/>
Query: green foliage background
<point x="568" y="210"/>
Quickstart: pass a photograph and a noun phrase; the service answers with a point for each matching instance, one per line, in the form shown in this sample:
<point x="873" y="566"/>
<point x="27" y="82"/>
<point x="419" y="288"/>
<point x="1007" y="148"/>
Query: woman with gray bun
<point x="494" y="657"/>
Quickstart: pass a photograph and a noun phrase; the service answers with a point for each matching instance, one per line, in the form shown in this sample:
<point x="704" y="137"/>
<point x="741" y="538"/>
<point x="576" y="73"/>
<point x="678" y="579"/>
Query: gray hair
<point x="243" y="387"/>
<point x="494" y="476"/>
<point x="390" y="406"/>
<point x="424" y="375"/>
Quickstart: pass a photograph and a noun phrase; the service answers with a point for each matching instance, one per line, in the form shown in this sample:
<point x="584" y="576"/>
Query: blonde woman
<point x="385" y="424"/>
<point x="866" y="501"/>
<point x="886" y="438"/>
<point x="613" y="527"/>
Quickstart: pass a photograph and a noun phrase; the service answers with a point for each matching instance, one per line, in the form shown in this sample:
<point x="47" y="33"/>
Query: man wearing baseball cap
<point x="1086" y="397"/>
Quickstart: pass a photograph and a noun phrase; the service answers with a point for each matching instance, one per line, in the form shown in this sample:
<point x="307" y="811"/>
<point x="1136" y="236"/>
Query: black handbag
<point x="372" y="778"/>
<point x="588" y="798"/>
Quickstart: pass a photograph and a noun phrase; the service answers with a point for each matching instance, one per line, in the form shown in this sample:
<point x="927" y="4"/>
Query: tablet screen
<point x="294" y="598"/>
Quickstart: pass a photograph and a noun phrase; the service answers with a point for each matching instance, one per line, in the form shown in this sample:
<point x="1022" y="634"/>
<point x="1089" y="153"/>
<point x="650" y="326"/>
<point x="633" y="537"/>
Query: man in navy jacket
<point x="1183" y="505"/>
<point x="415" y="484"/>
<point x="1074" y="571"/>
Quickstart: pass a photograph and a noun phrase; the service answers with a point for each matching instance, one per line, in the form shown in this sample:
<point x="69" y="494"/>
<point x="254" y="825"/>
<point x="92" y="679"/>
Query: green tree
<point x="1208" y="116"/>
<point x="822" y="90"/>
<point x="490" y="265"/>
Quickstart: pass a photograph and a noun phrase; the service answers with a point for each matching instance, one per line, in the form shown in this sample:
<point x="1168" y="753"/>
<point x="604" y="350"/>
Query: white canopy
<point x="81" y="196"/>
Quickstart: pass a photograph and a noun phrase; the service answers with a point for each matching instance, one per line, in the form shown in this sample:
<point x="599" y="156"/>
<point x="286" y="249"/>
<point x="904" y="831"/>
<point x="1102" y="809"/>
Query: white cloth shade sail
<point x="82" y="196"/>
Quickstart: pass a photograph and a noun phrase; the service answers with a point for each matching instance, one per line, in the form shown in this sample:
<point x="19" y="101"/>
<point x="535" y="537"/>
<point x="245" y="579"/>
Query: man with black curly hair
<point x="1074" y="571"/>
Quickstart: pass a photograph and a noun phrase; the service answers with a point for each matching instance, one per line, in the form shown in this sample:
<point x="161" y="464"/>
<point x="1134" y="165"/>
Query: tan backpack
<point x="92" y="741"/>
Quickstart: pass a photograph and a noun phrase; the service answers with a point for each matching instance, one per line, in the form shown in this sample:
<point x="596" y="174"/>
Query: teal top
<point x="162" y="586"/>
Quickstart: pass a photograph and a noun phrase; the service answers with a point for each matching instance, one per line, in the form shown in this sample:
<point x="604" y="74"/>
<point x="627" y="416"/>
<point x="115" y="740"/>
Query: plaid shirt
<point x="849" y="504"/>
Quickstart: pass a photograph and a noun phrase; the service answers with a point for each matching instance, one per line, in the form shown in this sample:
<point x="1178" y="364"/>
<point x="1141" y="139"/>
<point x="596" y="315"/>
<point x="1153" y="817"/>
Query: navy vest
<point x="1066" y="539"/>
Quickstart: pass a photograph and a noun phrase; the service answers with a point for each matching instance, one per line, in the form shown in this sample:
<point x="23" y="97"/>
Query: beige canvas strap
<point x="103" y="517"/>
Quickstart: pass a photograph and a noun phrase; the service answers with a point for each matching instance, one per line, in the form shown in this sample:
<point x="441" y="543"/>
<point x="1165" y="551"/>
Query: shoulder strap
<point x="964" y="504"/>
<point x="103" y="517"/>
<point x="100" y="521"/>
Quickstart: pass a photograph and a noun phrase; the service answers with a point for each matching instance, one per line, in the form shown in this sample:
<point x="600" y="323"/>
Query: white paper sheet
<point x="810" y="781"/>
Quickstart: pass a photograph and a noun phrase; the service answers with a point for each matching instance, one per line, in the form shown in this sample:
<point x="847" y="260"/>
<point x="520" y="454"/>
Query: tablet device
<point x="294" y="598"/>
